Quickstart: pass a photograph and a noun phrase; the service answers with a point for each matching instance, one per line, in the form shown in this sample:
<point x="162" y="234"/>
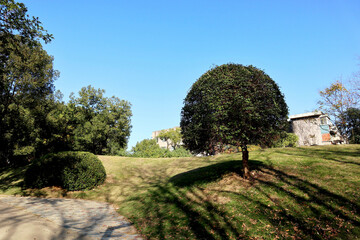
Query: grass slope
<point x="296" y="193"/>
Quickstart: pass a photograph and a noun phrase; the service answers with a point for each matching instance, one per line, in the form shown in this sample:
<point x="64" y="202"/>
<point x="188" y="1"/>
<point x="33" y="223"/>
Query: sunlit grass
<point x="295" y="193"/>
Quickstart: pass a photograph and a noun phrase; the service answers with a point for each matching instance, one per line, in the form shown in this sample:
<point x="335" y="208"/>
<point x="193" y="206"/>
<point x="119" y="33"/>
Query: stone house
<point x="314" y="128"/>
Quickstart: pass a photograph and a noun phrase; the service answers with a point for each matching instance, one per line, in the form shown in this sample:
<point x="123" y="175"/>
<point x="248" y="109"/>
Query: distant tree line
<point x="33" y="118"/>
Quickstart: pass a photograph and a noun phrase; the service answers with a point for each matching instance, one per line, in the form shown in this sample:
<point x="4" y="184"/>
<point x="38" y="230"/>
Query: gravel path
<point x="90" y="219"/>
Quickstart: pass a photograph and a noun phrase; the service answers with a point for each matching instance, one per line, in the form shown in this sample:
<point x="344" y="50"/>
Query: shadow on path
<point x="79" y="219"/>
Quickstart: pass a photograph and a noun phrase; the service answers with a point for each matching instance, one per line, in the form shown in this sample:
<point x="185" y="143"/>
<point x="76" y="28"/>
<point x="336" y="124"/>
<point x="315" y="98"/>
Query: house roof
<point x="306" y="115"/>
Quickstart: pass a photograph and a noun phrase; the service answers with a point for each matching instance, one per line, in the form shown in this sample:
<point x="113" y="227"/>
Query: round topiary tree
<point x="232" y="104"/>
<point x="69" y="170"/>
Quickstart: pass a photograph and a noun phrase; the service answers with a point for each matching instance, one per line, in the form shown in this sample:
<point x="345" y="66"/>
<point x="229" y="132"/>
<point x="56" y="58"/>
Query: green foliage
<point x="147" y="148"/>
<point x="232" y="104"/>
<point x="178" y="152"/>
<point x="90" y="122"/>
<point x="14" y="20"/>
<point x="287" y="140"/>
<point x="171" y="136"/>
<point x="352" y="127"/>
<point x="100" y="124"/>
<point x="26" y="86"/>
<point x="26" y="82"/>
<point x="69" y="170"/>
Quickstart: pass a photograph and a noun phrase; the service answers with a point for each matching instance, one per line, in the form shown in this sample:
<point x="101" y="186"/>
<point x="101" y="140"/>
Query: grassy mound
<point x="69" y="170"/>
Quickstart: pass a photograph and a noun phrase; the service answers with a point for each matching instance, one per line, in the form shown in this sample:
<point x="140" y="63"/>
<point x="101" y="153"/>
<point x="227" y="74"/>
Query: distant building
<point x="161" y="143"/>
<point x="314" y="128"/>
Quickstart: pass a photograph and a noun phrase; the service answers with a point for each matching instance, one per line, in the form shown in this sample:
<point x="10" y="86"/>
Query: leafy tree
<point x="171" y="136"/>
<point x="147" y="148"/>
<point x="235" y="105"/>
<point x="60" y="124"/>
<point x="101" y="124"/>
<point x="335" y="101"/>
<point x="352" y="127"/>
<point x="26" y="81"/>
<point x="14" y="20"/>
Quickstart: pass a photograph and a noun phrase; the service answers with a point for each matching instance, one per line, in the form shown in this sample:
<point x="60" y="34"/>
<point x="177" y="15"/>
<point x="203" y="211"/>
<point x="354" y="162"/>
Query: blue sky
<point x="151" y="52"/>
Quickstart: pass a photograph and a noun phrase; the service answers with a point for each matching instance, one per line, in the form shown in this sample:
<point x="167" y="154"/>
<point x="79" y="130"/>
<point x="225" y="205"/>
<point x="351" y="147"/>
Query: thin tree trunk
<point x="245" y="161"/>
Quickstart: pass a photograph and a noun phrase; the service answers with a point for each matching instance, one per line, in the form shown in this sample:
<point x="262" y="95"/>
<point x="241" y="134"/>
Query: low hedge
<point x="69" y="170"/>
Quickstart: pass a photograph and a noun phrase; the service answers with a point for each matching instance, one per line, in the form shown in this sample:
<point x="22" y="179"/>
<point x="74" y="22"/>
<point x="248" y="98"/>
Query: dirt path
<point x="38" y="218"/>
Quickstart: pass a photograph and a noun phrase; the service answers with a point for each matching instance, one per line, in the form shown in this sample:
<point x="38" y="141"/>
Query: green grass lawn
<point x="296" y="193"/>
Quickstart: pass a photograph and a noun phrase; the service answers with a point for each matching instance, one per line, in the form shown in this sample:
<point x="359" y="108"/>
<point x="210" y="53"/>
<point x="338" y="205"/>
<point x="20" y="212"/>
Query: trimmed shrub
<point x="69" y="170"/>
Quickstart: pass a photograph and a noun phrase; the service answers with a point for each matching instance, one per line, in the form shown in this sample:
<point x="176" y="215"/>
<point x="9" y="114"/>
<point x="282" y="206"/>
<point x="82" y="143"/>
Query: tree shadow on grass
<point x="163" y="210"/>
<point x="282" y="205"/>
<point x="331" y="154"/>
<point x="207" y="174"/>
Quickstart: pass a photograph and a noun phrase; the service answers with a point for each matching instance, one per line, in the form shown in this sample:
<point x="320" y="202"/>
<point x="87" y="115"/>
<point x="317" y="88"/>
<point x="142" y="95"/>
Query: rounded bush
<point x="69" y="170"/>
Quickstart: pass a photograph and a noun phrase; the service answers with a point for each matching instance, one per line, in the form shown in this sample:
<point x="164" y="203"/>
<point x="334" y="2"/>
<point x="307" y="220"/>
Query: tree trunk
<point x="245" y="162"/>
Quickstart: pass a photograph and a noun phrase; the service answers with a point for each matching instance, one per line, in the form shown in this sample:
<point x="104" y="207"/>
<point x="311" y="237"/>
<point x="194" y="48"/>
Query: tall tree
<point x="335" y="101"/>
<point x="232" y="104"/>
<point x="14" y="20"/>
<point x="101" y="125"/>
<point x="26" y="79"/>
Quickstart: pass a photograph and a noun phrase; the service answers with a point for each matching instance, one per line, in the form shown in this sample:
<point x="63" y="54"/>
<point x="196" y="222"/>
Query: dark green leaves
<point x="101" y="124"/>
<point x="14" y="20"/>
<point x="232" y="104"/>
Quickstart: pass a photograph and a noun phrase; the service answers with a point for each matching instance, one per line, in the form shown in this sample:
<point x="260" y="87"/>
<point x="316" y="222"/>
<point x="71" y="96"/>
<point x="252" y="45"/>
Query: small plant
<point x="69" y="170"/>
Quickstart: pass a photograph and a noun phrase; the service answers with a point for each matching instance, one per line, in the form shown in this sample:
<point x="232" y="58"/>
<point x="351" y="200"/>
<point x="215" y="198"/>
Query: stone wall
<point x="308" y="131"/>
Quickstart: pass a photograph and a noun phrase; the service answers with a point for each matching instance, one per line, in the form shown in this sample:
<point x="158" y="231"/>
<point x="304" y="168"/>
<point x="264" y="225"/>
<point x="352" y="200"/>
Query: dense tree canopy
<point x="26" y="81"/>
<point x="33" y="119"/>
<point x="101" y="124"/>
<point x="232" y="104"/>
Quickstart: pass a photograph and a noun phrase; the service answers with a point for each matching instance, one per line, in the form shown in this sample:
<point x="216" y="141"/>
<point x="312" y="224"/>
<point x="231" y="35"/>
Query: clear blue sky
<point x="151" y="52"/>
